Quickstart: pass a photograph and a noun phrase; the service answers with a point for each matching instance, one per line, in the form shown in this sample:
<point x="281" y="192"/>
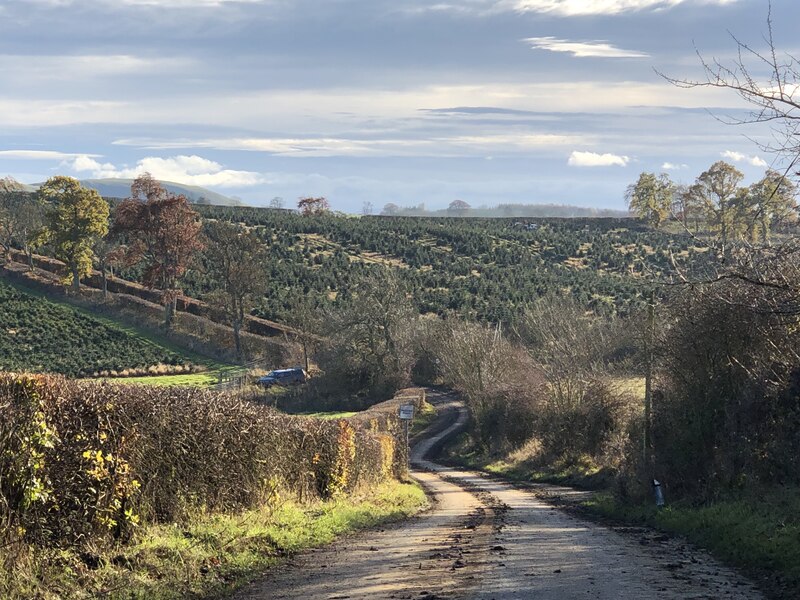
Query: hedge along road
<point x="484" y="539"/>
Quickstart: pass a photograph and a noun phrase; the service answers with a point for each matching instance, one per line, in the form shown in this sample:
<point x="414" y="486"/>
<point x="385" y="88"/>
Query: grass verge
<point x="329" y="415"/>
<point x="757" y="531"/>
<point x="423" y="417"/>
<point x="211" y="555"/>
<point x="581" y="472"/>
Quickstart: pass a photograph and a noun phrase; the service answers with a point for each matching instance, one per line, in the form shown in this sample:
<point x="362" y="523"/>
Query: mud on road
<point x="484" y="539"/>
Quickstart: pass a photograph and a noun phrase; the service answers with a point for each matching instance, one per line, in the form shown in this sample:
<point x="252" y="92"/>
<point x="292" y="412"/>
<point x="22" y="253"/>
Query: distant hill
<point x="9" y="184"/>
<point x="121" y="188"/>
<point x="509" y="210"/>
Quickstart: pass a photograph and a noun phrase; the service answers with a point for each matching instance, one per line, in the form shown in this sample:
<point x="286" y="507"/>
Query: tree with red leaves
<point x="162" y="231"/>
<point x="313" y="206"/>
<point x="458" y="207"/>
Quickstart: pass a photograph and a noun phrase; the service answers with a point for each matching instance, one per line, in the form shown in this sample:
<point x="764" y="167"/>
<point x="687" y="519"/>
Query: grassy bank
<point x="210" y="555"/>
<point x="423" y="417"/>
<point x="520" y="465"/>
<point x="757" y="531"/>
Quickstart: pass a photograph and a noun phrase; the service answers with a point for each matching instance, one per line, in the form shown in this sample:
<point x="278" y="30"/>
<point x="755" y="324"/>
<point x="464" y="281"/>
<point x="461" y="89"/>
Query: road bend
<point x="485" y="539"/>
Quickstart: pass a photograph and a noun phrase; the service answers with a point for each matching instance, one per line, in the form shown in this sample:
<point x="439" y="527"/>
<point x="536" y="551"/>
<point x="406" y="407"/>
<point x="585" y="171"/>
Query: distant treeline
<point x="461" y="209"/>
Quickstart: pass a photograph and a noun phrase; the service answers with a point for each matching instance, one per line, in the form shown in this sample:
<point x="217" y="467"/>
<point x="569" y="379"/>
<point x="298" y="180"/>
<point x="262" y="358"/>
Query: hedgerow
<point x="86" y="463"/>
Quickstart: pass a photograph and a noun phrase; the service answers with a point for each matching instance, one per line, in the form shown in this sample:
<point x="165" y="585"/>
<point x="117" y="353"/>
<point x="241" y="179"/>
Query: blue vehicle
<point x="292" y="376"/>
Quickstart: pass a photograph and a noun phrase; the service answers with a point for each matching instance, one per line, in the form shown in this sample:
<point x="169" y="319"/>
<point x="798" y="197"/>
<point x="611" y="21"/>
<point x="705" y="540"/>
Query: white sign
<point x="406" y="412"/>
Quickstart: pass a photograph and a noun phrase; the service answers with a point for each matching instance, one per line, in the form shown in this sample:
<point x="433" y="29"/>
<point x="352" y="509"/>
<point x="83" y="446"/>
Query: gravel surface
<point x="485" y="539"/>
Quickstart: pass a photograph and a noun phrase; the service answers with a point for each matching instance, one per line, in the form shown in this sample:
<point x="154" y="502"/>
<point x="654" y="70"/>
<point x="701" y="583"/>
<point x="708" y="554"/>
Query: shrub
<point x="82" y="462"/>
<point x="727" y="408"/>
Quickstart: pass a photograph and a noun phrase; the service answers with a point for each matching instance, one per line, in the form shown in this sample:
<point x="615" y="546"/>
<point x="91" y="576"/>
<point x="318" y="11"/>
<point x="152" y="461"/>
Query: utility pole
<point x="648" y="377"/>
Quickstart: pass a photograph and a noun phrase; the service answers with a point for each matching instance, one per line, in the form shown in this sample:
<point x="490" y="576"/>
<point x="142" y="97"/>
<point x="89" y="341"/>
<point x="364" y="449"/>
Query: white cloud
<point x="571" y="8"/>
<point x="189" y="170"/>
<point x="458" y="145"/>
<point x="562" y="8"/>
<point x="598" y="49"/>
<point x="156" y="3"/>
<point x="592" y="159"/>
<point x="668" y="166"/>
<point x="738" y="157"/>
<point x="42" y="155"/>
<point x="19" y="69"/>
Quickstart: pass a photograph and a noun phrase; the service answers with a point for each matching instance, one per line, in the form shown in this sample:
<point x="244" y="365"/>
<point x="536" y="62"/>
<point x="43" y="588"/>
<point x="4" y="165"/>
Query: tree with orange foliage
<point x="162" y="231"/>
<point x="313" y="206"/>
<point x="458" y="207"/>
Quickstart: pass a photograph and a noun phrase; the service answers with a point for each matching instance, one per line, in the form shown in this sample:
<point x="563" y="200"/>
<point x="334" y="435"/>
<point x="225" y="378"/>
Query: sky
<point x="402" y="101"/>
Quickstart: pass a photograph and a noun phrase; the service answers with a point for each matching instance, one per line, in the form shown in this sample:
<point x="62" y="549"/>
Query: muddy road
<point x="485" y="539"/>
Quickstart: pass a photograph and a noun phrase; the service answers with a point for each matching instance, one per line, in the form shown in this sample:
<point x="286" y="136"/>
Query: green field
<point x="40" y="334"/>
<point x="204" y="379"/>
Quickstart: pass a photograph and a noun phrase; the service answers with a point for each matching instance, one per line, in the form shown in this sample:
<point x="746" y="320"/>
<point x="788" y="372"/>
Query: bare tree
<point x="237" y="263"/>
<point x="391" y="209"/>
<point x="369" y="341"/>
<point x="108" y="253"/>
<point x="276" y="202"/>
<point x="307" y="320"/>
<point x="567" y="342"/>
<point x="773" y="97"/>
<point x="22" y="217"/>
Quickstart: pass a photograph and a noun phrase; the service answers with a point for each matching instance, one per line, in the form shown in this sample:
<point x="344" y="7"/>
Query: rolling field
<point x="42" y="335"/>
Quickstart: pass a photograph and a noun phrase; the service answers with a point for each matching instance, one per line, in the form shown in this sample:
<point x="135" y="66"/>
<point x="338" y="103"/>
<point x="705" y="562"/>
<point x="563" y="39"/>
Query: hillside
<point x="121" y="188"/>
<point x="485" y="269"/>
<point x="39" y="335"/>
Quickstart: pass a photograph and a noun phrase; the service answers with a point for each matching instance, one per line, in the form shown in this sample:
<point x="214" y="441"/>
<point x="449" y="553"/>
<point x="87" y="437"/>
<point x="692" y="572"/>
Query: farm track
<point x="485" y="539"/>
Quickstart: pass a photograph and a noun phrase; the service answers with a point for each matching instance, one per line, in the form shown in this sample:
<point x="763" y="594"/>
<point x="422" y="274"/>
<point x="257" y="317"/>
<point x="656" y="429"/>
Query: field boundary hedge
<point x="85" y="463"/>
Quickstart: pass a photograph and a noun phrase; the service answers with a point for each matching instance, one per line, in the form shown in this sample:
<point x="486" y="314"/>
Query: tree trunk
<point x="105" y="281"/>
<point x="169" y="311"/>
<point x="237" y="338"/>
<point x="76" y="280"/>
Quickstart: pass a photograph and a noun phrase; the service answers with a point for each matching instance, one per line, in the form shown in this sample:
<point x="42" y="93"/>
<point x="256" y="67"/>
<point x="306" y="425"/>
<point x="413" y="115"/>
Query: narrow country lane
<point x="434" y="555"/>
<point x="484" y="539"/>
